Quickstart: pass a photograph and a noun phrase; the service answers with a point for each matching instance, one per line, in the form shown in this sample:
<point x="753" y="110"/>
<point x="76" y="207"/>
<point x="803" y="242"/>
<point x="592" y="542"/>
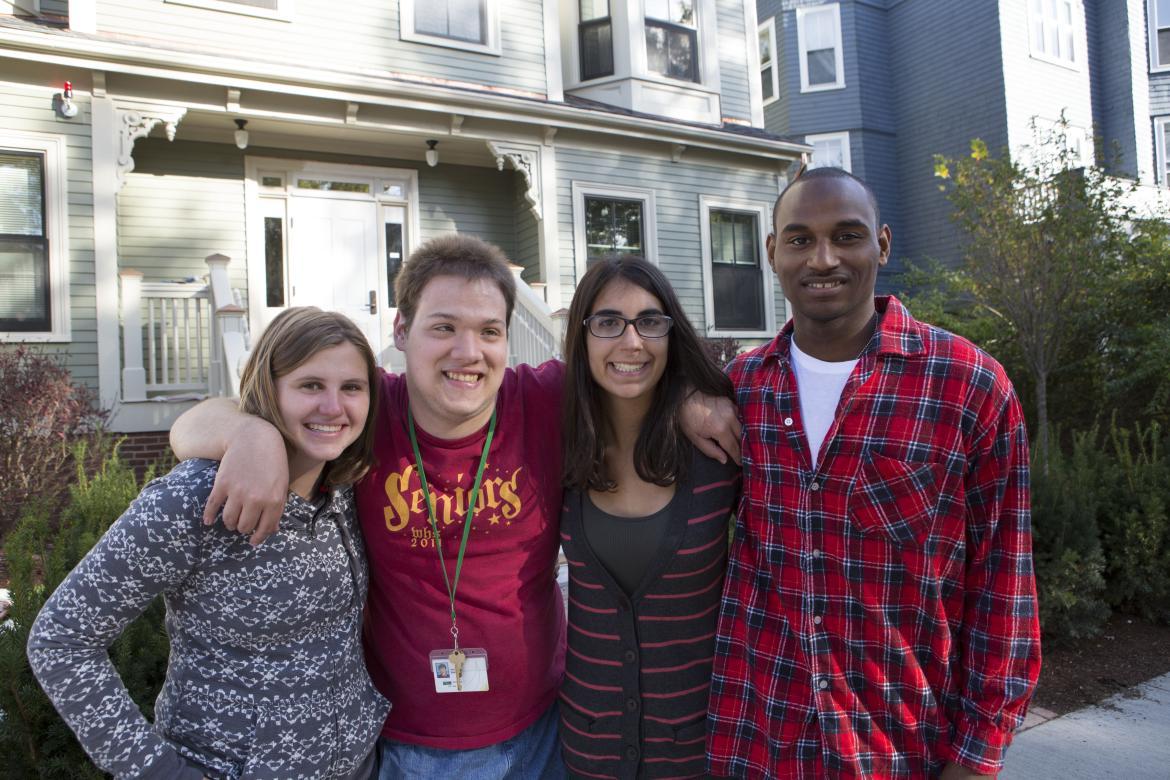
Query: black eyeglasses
<point x="611" y="326"/>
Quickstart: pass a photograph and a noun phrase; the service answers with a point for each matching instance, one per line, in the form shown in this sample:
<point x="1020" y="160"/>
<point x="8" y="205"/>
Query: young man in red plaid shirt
<point x="879" y="617"/>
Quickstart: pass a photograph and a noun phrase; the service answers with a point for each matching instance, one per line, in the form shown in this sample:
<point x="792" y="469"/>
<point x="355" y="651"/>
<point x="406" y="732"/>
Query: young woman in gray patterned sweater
<point x="644" y="529"/>
<point x="266" y="677"/>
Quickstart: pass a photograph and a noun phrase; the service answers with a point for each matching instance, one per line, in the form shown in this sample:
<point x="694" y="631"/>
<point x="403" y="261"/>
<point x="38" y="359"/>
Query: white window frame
<point x="846" y="157"/>
<point x="763" y="219"/>
<point x="56" y="217"/>
<point x="769" y="26"/>
<point x="1161" y="128"/>
<point x="1075" y="22"/>
<point x="1154" y="24"/>
<point x="282" y="13"/>
<point x="803" y="13"/>
<point x="491" y="44"/>
<point x="584" y="189"/>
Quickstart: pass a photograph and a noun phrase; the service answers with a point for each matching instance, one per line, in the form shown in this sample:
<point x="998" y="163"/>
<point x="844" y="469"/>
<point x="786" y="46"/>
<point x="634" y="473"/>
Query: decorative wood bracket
<point x="137" y="122"/>
<point x="525" y="159"/>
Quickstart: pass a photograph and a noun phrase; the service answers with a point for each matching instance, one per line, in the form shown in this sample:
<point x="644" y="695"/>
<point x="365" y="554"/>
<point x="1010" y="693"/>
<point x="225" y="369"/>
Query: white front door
<point x="333" y="260"/>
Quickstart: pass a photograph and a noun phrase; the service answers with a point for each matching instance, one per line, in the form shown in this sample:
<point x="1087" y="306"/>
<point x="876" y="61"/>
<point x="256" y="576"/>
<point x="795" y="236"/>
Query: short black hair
<point x="828" y="172"/>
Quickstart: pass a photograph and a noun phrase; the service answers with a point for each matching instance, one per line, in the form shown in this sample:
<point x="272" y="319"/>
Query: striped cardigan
<point x="638" y="668"/>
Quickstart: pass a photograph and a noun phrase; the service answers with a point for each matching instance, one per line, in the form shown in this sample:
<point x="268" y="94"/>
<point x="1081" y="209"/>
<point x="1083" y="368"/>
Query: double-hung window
<point x="1051" y="30"/>
<point x="736" y="277"/>
<point x="33" y="253"/>
<point x="460" y="24"/>
<point x="267" y="9"/>
<point x="1159" y="16"/>
<point x="769" y="74"/>
<point x="595" y="38"/>
<point x="608" y="219"/>
<point x="672" y="41"/>
<point x="818" y="36"/>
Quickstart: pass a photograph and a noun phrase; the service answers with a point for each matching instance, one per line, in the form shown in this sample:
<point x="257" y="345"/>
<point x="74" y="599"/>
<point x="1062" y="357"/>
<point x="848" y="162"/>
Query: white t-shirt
<point x="819" y="385"/>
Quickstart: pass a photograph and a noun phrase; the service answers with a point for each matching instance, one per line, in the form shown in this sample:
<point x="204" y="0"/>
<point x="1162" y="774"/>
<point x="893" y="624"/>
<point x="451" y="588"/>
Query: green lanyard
<point x="422" y="476"/>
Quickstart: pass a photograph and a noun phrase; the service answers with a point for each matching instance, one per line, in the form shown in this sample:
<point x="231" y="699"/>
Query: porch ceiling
<point x="335" y="136"/>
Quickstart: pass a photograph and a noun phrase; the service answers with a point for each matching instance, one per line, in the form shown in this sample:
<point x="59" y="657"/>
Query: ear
<point x="770" y="245"/>
<point x="399" y="331"/>
<point x="885" y="237"/>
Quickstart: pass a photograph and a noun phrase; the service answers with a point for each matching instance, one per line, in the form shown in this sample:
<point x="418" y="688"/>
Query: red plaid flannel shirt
<point x="879" y="617"/>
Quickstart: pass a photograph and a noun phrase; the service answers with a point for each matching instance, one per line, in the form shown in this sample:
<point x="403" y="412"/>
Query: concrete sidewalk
<point x="1125" y="736"/>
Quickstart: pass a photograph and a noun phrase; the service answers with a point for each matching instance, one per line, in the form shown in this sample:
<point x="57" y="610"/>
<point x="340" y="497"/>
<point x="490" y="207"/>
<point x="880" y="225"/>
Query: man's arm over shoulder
<point x="1000" y="637"/>
<point x="252" y="483"/>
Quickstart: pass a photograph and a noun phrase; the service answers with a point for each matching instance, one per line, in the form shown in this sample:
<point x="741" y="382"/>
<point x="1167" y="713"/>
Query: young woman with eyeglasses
<point x="644" y="529"/>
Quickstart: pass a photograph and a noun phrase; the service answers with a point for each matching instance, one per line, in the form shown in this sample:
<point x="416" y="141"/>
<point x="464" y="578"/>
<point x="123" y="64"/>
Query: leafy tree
<point x="1043" y="234"/>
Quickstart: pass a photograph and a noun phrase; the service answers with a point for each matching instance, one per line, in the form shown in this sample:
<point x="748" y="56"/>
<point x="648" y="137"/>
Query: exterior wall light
<point x="66" y="107"/>
<point x="432" y="153"/>
<point x="241" y="134"/>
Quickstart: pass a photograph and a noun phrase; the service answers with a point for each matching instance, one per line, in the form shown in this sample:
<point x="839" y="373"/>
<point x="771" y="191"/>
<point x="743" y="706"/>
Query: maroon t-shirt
<point x="507" y="600"/>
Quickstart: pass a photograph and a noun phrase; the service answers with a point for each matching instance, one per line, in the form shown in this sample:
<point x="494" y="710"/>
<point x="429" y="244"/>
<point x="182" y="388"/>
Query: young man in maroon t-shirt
<point x="480" y="437"/>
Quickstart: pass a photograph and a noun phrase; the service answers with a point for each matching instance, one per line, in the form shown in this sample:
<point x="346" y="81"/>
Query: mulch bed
<point x="1078" y="673"/>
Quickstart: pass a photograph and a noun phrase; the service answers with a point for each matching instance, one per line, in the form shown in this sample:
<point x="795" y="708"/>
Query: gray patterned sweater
<point x="266" y="677"/>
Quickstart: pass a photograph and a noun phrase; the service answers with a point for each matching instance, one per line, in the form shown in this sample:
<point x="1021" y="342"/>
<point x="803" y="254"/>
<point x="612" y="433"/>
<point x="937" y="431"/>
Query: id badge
<point x="474" y="671"/>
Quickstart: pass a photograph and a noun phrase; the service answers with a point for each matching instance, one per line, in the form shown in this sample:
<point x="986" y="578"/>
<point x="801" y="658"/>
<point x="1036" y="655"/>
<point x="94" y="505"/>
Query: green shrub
<point x="40" y="553"/>
<point x="1135" y="524"/>
<point x="1070" y="563"/>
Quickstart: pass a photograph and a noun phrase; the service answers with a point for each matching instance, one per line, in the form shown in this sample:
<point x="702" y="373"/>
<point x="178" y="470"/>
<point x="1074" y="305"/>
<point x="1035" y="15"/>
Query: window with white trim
<point x="736" y="277"/>
<point x="830" y="150"/>
<point x="1162" y="141"/>
<point x="672" y="39"/>
<point x="1158" y="12"/>
<point x="612" y="219"/>
<point x="1051" y="30"/>
<point x="595" y="39"/>
<point x="266" y="9"/>
<point x="818" y="40"/>
<point x="461" y="24"/>
<point x="34" y="288"/>
<point x="769" y="73"/>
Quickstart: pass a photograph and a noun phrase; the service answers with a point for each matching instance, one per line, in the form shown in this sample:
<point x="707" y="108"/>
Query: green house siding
<point x="29" y="109"/>
<point x="359" y="36"/>
<point x="677" y="188"/>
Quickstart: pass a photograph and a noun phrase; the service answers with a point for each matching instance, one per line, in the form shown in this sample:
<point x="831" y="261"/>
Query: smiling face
<point x="826" y="252"/>
<point x="456" y="349"/>
<point x="626" y="368"/>
<point x="323" y="404"/>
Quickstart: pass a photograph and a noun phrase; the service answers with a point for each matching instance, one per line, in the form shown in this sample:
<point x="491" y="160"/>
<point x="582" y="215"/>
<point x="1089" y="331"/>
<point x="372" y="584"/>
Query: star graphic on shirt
<point x="494" y="520"/>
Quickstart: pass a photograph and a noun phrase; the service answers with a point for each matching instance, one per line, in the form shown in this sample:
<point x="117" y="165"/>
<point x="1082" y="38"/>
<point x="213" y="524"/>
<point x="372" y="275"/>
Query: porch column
<point x="133" y="372"/>
<point x="116" y="126"/>
<point x="550" y="252"/>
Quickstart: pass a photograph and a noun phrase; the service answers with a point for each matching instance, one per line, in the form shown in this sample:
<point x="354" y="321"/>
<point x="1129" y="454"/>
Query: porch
<point x="184" y="341"/>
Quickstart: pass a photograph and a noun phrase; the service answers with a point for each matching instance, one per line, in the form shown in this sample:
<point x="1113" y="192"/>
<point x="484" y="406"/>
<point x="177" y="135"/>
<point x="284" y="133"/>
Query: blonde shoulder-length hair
<point x="294" y="336"/>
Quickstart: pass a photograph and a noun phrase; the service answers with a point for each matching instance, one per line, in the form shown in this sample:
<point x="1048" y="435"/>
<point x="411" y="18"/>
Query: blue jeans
<point x="533" y="754"/>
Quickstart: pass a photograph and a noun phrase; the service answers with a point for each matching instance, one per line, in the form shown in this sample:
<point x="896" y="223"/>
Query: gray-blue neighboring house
<point x="880" y="86"/>
<point x="173" y="173"/>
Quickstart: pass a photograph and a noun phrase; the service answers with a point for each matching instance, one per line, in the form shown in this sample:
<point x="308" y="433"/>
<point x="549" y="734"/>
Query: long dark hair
<point x="661" y="452"/>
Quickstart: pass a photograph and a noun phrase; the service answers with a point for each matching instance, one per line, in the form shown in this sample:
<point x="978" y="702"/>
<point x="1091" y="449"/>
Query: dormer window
<point x="596" y="39"/>
<point x="672" y="39"/>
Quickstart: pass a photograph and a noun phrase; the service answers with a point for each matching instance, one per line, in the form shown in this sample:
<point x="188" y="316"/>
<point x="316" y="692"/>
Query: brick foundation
<point x="142" y="449"/>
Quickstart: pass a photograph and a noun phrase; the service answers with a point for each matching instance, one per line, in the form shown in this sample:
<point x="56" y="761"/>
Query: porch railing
<point x="535" y="335"/>
<point x="181" y="339"/>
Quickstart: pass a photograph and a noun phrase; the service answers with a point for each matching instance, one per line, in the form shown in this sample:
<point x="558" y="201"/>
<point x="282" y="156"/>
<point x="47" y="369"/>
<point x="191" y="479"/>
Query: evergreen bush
<point x="1066" y="540"/>
<point x="35" y="742"/>
<point x="1135" y="523"/>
